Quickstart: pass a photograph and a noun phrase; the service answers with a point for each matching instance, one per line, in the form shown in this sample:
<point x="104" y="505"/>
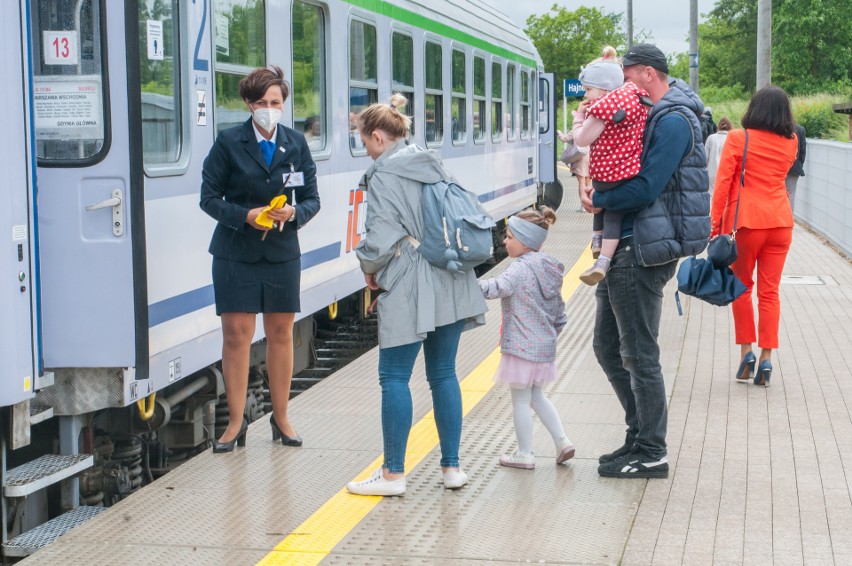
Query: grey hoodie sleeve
<point x="501" y="286"/>
<point x="561" y="320"/>
<point x="384" y="229"/>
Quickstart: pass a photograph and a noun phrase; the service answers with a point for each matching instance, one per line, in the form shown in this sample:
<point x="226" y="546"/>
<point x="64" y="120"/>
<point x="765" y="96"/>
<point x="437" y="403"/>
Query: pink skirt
<point x="520" y="373"/>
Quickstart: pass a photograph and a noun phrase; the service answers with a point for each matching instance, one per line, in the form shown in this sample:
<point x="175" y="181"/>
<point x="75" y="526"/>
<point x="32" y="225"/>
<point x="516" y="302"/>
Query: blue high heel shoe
<point x="747" y="363"/>
<point x="764" y="372"/>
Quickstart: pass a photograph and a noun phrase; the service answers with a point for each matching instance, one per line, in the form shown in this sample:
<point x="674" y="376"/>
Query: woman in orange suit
<point x="765" y="221"/>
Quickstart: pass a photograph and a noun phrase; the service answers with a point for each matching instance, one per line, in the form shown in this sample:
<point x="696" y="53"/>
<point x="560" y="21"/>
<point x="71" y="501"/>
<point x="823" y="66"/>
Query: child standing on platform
<point x="611" y="121"/>
<point x="533" y="316"/>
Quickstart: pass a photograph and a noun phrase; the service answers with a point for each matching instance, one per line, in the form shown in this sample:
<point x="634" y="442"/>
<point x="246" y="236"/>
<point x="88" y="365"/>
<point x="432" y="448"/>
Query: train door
<point x="19" y="298"/>
<point x="549" y="185"/>
<point x="93" y="278"/>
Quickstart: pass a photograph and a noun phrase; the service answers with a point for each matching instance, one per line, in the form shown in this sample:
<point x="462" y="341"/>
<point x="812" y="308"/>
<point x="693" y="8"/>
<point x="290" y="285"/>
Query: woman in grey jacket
<point x="422" y="304"/>
<point x="533" y="316"/>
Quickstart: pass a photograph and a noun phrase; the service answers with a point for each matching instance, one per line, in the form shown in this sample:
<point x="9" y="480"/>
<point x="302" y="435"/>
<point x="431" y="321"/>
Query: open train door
<point x="91" y="234"/>
<point x="550" y="188"/>
<point x="19" y="298"/>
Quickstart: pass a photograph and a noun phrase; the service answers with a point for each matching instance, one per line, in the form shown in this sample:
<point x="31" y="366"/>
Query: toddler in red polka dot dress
<point x="611" y="120"/>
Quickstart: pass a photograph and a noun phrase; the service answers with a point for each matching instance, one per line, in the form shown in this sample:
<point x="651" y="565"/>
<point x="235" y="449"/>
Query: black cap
<point x="646" y="54"/>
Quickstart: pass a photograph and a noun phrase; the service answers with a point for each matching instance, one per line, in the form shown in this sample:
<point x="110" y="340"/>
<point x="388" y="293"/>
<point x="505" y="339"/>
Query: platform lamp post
<point x="764" y="43"/>
<point x="693" y="45"/>
<point x="629" y="24"/>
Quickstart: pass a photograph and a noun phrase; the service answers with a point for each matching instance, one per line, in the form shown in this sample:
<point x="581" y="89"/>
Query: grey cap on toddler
<point x="606" y="75"/>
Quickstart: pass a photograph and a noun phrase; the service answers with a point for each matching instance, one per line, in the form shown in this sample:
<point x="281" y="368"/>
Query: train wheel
<point x="551" y="194"/>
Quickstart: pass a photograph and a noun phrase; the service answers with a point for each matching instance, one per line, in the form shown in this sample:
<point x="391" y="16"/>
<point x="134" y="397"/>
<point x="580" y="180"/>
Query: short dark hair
<point x="769" y="109"/>
<point x="255" y="84"/>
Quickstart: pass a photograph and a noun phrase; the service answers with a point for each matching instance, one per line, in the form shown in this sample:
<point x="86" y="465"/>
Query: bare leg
<point x="237" y="332"/>
<point x="279" y="364"/>
<point x="765" y="354"/>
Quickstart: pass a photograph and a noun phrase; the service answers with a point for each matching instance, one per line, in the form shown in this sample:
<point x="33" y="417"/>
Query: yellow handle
<point x="332" y="310"/>
<point x="146" y="409"/>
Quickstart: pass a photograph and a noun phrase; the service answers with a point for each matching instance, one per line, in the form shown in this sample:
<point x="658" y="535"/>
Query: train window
<point x="402" y="54"/>
<point x="525" y="104"/>
<point x="510" y="101"/>
<point x="478" y="99"/>
<point x="496" y="101"/>
<point x="433" y="103"/>
<point x="240" y="41"/>
<point x="309" y="88"/>
<point x="363" y="81"/>
<point x="458" y="111"/>
<point x="159" y="77"/>
<point x="69" y="82"/>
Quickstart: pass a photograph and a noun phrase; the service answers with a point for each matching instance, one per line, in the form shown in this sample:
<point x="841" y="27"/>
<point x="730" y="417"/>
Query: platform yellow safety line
<point x="315" y="538"/>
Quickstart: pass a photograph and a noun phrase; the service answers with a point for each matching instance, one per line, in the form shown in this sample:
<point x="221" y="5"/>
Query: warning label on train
<point x="68" y="110"/>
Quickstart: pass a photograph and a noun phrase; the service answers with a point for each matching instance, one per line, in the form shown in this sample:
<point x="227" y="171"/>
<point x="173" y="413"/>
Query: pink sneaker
<point x="566" y="453"/>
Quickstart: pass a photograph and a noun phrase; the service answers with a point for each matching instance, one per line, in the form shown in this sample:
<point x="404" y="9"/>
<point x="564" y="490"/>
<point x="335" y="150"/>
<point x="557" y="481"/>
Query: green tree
<point x="567" y="40"/>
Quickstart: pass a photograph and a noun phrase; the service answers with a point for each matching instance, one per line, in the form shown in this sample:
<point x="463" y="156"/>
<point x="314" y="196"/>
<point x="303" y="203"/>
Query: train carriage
<point x="116" y="105"/>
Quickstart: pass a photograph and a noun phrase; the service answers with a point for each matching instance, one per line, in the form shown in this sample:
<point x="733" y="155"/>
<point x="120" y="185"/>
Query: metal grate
<point x="41" y="536"/>
<point x="44" y="471"/>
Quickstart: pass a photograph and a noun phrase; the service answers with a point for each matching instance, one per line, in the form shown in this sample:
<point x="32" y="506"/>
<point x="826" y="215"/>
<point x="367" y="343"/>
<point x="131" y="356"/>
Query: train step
<point x="44" y="471"/>
<point x="39" y="537"/>
<point x="39" y="413"/>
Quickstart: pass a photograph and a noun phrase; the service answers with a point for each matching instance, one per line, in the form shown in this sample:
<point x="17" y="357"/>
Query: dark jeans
<point x="627" y="323"/>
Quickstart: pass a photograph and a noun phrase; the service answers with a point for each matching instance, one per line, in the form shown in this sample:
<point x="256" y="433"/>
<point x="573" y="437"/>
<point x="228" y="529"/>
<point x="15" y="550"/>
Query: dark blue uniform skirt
<point x="256" y="287"/>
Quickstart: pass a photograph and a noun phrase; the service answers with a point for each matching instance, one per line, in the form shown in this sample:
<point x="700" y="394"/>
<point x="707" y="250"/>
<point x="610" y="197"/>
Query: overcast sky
<point x="666" y="20"/>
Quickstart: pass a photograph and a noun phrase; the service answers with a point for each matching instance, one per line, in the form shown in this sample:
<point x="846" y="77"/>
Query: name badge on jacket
<point x="295" y="179"/>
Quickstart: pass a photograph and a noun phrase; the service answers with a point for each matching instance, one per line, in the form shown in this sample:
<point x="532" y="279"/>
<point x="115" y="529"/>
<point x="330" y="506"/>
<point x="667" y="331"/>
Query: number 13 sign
<point x="60" y="48"/>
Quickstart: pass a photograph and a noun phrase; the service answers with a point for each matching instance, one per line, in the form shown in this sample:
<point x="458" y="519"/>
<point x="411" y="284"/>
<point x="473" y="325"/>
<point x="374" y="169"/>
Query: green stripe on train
<point x="422" y="22"/>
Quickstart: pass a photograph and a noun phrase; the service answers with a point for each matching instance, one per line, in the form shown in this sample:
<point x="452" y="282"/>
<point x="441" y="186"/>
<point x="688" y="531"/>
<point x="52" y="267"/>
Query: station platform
<point x="757" y="475"/>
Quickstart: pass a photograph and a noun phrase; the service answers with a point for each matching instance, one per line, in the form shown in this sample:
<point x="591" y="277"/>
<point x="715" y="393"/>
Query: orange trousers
<point x="767" y="249"/>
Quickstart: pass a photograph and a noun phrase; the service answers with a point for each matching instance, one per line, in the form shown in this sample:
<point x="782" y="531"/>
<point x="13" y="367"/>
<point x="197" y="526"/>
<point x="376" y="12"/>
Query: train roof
<point x="470" y="21"/>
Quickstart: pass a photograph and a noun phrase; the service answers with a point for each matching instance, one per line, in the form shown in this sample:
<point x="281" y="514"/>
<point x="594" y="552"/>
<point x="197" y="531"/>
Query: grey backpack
<point x="456" y="234"/>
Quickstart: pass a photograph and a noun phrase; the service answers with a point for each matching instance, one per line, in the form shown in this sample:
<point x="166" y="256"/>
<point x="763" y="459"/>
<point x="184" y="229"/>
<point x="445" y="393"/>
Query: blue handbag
<point x="711" y="280"/>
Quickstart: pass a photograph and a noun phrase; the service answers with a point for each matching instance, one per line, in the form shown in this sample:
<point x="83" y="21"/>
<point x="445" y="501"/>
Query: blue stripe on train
<point x="197" y="299"/>
<point x="497" y="193"/>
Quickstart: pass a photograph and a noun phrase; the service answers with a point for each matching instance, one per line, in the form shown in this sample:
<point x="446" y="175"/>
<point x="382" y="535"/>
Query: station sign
<point x="573" y="89"/>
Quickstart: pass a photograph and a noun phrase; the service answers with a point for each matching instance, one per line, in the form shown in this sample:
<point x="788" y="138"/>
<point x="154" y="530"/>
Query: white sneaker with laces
<point x="376" y="484"/>
<point x="518" y="460"/>
<point x="454" y="478"/>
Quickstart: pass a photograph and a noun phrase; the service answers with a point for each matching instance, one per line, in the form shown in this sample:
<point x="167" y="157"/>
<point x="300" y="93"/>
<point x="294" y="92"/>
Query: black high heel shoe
<point x="748" y="362"/>
<point x="240" y="439"/>
<point x="285" y="440"/>
<point x="764" y="372"/>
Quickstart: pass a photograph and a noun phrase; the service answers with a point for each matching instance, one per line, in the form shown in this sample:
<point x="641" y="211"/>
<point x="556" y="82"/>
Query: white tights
<point x="533" y="396"/>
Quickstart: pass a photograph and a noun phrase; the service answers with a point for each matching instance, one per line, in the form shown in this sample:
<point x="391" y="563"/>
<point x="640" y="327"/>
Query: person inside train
<point x="533" y="316"/>
<point x="422" y="306"/>
<point x="610" y="122"/>
<point x="764" y="220"/>
<point x="257" y="269"/>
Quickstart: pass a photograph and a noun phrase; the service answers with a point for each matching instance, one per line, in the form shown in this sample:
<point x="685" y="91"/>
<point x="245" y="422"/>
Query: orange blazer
<point x="763" y="199"/>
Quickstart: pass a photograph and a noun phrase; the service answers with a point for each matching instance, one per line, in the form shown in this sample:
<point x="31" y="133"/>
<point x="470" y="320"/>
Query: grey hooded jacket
<point x="533" y="309"/>
<point x="677" y="224"/>
<point x="419" y="297"/>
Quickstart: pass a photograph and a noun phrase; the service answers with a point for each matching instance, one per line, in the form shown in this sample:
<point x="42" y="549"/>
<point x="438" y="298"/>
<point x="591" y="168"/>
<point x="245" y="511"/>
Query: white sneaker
<point x="518" y="460"/>
<point x="376" y="484"/>
<point x="454" y="478"/>
<point x="564" y="452"/>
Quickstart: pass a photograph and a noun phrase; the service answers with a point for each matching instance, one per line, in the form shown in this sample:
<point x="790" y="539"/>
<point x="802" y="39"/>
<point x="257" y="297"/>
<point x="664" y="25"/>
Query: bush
<point x="816" y="115"/>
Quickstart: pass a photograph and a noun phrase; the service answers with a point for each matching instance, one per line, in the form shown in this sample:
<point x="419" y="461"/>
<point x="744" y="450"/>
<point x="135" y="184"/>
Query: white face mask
<point x="267" y="118"/>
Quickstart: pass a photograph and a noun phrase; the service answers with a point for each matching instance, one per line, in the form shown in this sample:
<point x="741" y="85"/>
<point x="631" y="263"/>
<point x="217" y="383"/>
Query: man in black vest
<point x="667" y="210"/>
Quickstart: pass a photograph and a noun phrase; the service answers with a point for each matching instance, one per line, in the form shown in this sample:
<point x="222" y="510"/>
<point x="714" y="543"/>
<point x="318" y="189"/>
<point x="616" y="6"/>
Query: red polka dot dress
<point x="614" y="156"/>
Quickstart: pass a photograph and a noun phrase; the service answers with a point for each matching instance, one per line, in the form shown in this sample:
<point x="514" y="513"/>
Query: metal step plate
<point x="41" y="536"/>
<point x="44" y="471"/>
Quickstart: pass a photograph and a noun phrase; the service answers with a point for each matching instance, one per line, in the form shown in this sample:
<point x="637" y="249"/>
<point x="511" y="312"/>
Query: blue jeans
<point x="395" y="367"/>
<point x="627" y="323"/>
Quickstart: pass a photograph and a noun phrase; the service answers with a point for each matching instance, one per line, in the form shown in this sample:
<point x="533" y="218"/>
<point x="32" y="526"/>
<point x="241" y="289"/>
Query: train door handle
<point x="117" y="204"/>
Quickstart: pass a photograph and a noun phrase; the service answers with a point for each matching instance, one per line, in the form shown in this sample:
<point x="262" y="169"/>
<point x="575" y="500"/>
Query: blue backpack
<point x="456" y="234"/>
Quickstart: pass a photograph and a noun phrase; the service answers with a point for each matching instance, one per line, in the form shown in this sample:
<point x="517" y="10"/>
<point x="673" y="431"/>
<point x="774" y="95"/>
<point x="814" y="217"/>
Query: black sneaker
<point x="617" y="453"/>
<point x="635" y="465"/>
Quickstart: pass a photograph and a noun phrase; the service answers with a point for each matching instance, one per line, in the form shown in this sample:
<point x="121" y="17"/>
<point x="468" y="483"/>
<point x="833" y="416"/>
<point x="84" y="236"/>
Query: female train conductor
<point x="256" y="269"/>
